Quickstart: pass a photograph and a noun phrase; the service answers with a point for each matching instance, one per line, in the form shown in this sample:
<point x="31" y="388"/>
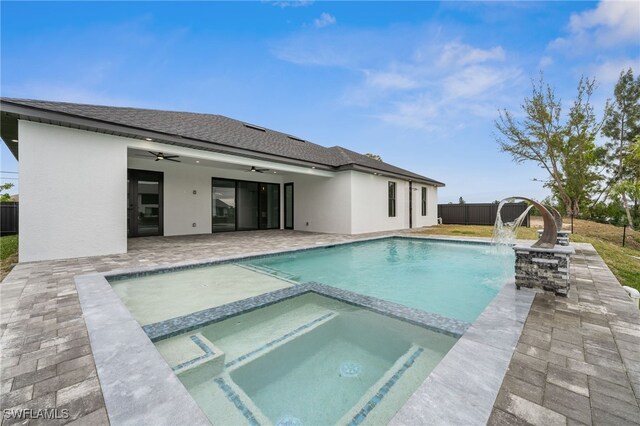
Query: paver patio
<point x="578" y="359"/>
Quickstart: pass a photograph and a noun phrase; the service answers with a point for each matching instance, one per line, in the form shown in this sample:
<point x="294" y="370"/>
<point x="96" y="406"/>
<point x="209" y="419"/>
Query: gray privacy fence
<point x="480" y="214"/>
<point x="8" y="218"/>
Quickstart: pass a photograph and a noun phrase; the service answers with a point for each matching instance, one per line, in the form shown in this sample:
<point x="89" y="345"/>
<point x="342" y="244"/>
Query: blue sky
<point x="419" y="83"/>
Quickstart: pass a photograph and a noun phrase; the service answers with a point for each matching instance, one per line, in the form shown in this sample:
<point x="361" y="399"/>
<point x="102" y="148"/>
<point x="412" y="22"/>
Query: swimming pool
<point x="309" y="360"/>
<point x="228" y="371"/>
<point x="451" y="279"/>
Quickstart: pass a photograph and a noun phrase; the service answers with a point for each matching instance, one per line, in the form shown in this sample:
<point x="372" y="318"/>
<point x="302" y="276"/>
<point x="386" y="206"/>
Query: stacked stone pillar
<point x="563" y="237"/>
<point x="545" y="268"/>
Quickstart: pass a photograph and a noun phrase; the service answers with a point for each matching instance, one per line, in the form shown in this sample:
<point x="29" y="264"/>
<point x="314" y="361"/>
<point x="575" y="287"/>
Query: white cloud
<point x="414" y="80"/>
<point x="545" y="62"/>
<point x="324" y="20"/>
<point x="476" y="80"/>
<point x="609" y="71"/>
<point x="390" y="80"/>
<point x="294" y="3"/>
<point x="456" y="53"/>
<point x="611" y="23"/>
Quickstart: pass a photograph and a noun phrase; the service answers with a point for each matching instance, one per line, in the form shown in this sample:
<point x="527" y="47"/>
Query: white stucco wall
<point x="73" y="193"/>
<point x="432" y="206"/>
<point x="369" y="197"/>
<point x="322" y="204"/>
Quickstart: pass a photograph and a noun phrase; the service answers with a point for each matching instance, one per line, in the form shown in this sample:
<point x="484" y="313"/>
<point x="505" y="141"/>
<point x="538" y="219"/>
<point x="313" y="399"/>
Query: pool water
<point x="309" y="360"/>
<point x="451" y="279"/>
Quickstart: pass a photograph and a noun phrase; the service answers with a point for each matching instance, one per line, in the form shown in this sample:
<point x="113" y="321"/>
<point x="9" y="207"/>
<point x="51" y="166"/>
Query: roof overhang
<point x="11" y="113"/>
<point x="9" y="132"/>
<point x="409" y="178"/>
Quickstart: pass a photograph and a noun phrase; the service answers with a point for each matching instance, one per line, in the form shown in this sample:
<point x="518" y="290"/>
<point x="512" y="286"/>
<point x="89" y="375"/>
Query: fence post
<point x="572" y="222"/>
<point x="624" y="234"/>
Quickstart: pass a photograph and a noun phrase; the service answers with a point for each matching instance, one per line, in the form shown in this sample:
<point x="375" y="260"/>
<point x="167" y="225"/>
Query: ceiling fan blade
<point x="262" y="170"/>
<point x="157" y="159"/>
<point x="171" y="159"/>
<point x="153" y="153"/>
<point x="258" y="171"/>
<point x="171" y="156"/>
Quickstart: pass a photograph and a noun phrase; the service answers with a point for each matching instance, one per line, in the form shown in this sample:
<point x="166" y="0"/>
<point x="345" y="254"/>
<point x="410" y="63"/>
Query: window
<point x="392" y="199"/>
<point x="424" y="201"/>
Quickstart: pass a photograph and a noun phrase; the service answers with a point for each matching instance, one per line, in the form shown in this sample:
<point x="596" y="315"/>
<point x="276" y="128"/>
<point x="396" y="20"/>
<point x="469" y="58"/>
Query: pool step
<point x="375" y="396"/>
<point x="279" y="341"/>
<point x="271" y="272"/>
<point x="191" y="350"/>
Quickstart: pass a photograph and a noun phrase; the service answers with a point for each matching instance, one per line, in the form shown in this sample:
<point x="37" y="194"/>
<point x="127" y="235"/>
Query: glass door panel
<point x="288" y="206"/>
<point x="247" y="199"/>
<point x="144" y="203"/>
<point x="148" y="207"/>
<point x="269" y="206"/>
<point x="224" y="205"/>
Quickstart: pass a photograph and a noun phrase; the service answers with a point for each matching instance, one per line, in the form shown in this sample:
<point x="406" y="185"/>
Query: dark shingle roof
<point x="216" y="129"/>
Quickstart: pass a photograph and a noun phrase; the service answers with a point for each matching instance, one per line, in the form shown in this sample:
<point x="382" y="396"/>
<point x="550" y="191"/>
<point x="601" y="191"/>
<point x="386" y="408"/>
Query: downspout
<point x="410" y="204"/>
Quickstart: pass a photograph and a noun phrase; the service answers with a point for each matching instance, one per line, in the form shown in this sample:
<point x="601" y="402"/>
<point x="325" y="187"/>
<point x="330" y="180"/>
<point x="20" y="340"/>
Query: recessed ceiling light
<point x="275" y="171"/>
<point x="313" y="167"/>
<point x="197" y="161"/>
<point x="148" y="139"/>
<point x="14" y="140"/>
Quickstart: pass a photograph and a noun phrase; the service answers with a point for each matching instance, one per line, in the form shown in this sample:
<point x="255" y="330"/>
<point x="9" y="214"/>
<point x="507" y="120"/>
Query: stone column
<point x="563" y="237"/>
<point x="547" y="269"/>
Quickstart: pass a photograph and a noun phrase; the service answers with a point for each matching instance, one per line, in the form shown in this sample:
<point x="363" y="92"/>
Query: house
<point x="92" y="176"/>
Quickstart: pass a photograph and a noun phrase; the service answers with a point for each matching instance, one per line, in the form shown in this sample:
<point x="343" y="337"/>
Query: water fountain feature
<point x="543" y="264"/>
<point x="563" y="236"/>
<point x="505" y="234"/>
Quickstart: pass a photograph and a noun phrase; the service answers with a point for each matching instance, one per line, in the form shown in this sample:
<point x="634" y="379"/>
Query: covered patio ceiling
<point x="193" y="157"/>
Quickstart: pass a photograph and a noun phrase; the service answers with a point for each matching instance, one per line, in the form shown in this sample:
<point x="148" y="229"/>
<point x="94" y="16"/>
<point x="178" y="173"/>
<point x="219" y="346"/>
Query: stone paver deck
<point x="578" y="359"/>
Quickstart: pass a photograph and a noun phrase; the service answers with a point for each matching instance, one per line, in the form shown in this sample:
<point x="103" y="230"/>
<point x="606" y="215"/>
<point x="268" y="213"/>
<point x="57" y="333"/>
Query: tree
<point x="622" y="127"/>
<point x="461" y="200"/>
<point x="374" y="156"/>
<point x="563" y="145"/>
<point x="5" y="195"/>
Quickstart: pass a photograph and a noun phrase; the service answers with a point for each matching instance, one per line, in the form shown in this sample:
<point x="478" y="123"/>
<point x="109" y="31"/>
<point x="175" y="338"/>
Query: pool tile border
<point x="123" y="274"/>
<point x="175" y="326"/>
<point x="235" y="399"/>
<point x="384" y="390"/>
<point x="208" y="353"/>
<point x="279" y="339"/>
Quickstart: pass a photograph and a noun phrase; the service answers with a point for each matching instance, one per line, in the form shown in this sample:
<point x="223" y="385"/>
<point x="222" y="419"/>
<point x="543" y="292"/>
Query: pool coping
<point x="139" y="387"/>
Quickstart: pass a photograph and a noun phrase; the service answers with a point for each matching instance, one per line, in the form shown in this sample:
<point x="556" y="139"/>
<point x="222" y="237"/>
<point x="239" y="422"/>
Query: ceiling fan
<point x="253" y="169"/>
<point x="161" y="156"/>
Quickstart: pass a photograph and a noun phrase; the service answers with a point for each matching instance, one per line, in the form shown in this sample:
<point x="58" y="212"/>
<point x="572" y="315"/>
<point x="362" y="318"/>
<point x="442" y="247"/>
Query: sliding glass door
<point x="244" y="205"/>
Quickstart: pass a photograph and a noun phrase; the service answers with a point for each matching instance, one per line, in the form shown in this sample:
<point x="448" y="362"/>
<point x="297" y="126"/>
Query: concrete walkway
<point x="578" y="359"/>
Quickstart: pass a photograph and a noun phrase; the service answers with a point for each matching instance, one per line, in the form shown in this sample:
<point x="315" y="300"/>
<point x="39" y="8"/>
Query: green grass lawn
<point x="8" y="254"/>
<point x="624" y="262"/>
